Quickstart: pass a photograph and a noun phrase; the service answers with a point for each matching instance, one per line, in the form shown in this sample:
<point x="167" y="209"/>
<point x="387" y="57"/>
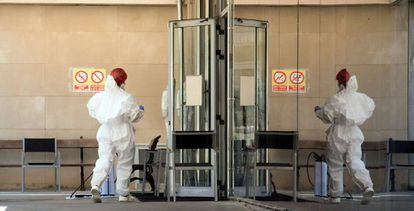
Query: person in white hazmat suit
<point x="116" y="111"/>
<point x="345" y="111"/>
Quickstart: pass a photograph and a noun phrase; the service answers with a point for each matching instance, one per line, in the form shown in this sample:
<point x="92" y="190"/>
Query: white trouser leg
<point x="360" y="175"/>
<point x="124" y="168"/>
<point x="104" y="162"/>
<point x="335" y="169"/>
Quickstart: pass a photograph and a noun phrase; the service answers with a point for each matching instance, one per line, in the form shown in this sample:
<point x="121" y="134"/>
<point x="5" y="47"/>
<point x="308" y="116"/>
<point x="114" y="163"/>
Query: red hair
<point x="119" y="75"/>
<point x="343" y="77"/>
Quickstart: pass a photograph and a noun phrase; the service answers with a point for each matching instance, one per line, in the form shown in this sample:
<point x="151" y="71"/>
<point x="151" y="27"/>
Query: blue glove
<point x="141" y="107"/>
<point x="317" y="108"/>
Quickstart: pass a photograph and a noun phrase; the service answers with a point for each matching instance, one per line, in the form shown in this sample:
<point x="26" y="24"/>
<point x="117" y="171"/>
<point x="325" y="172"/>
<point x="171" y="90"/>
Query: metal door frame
<point x="192" y="23"/>
<point x="230" y="75"/>
<point x="181" y="24"/>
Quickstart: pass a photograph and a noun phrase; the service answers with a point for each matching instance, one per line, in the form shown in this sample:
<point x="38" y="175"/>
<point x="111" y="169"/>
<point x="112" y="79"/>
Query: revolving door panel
<point x="192" y="96"/>
<point x="250" y="102"/>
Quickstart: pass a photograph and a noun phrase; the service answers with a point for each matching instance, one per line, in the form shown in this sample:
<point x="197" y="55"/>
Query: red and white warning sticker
<point x="88" y="79"/>
<point x="289" y="80"/>
<point x="279" y="77"/>
<point x="98" y="76"/>
<point x="81" y="76"/>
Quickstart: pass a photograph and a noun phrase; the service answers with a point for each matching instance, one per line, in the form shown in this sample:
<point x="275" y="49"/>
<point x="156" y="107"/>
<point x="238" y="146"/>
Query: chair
<point x="44" y="145"/>
<point x="152" y="158"/>
<point x="286" y="140"/>
<point x="396" y="147"/>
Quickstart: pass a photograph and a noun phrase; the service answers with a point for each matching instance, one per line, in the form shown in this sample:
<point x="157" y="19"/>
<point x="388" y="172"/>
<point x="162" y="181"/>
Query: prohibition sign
<point x="297" y="77"/>
<point x="279" y="77"/>
<point x="81" y="76"/>
<point x="97" y="77"/>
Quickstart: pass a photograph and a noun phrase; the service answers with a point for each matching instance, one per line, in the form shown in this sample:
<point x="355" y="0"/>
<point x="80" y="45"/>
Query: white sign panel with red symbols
<point x="88" y="79"/>
<point x="289" y="81"/>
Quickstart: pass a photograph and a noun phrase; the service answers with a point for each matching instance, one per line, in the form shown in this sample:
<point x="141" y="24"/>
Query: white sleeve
<point x="164" y="104"/>
<point x="324" y="116"/>
<point x="132" y="111"/>
<point x="136" y="115"/>
<point x="92" y="105"/>
<point x="331" y="109"/>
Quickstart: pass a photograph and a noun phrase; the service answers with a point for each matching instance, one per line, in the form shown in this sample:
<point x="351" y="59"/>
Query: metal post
<point x="82" y="170"/>
<point x="169" y="158"/>
<point x="179" y="9"/>
<point x="230" y="96"/>
<point x="144" y="172"/>
<point x="387" y="173"/>
<point x="295" y="173"/>
<point x="166" y="176"/>
<point x="410" y="84"/>
<point x="23" y="170"/>
<point x="173" y="179"/>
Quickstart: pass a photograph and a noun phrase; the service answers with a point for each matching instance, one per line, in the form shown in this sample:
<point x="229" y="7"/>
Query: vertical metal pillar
<point x="230" y="95"/>
<point x="410" y="84"/>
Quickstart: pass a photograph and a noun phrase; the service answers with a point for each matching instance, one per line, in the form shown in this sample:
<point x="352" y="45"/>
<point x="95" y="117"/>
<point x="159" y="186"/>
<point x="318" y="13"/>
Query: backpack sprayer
<point x="107" y="189"/>
<point x="320" y="188"/>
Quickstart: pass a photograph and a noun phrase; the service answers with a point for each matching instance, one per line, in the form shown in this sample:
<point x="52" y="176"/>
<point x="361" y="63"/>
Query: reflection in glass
<point x="192" y="58"/>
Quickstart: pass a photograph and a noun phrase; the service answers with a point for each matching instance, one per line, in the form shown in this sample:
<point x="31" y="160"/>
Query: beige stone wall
<point x="311" y="2"/>
<point x="169" y="2"/>
<point x="39" y="45"/>
<point x="100" y="2"/>
<point x="370" y="41"/>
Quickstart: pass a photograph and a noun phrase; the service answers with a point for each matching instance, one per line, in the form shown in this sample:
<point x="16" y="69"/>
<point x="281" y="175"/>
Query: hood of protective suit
<point x="353" y="107"/>
<point x="111" y="105"/>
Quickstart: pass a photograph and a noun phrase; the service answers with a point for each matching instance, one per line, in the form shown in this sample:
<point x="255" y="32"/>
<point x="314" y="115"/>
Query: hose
<point x="76" y="190"/>
<point x="307" y="166"/>
<point x="316" y="156"/>
<point x="273" y="184"/>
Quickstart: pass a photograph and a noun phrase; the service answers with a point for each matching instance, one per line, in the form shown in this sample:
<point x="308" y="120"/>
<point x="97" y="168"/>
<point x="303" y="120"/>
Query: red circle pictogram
<point x="279" y="77"/>
<point x="97" y="77"/>
<point x="81" y="76"/>
<point x="297" y="77"/>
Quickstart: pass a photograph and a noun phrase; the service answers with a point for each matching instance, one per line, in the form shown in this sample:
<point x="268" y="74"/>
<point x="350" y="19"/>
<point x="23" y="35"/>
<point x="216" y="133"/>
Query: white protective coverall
<point x="116" y="111"/>
<point x="164" y="108"/>
<point x="345" y="111"/>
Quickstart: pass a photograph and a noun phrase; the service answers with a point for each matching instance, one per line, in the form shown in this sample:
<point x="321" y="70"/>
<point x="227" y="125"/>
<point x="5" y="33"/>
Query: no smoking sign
<point x="289" y="80"/>
<point x="97" y="76"/>
<point x="297" y="77"/>
<point x="279" y="77"/>
<point x="88" y="79"/>
<point x="81" y="76"/>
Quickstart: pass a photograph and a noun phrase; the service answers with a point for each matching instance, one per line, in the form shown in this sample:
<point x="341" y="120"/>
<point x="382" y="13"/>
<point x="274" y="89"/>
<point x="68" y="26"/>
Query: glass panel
<point x="244" y="65"/>
<point x="250" y="62"/>
<point x="191" y="58"/>
<point x="261" y="65"/>
<point x="282" y="105"/>
<point x="371" y="42"/>
<point x="244" y="116"/>
<point x="282" y="53"/>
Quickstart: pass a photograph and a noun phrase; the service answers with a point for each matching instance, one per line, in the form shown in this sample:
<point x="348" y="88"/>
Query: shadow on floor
<point x="149" y="197"/>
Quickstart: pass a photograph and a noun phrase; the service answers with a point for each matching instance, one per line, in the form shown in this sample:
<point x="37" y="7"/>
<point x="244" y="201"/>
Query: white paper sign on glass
<point x="194" y="90"/>
<point x="247" y="93"/>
